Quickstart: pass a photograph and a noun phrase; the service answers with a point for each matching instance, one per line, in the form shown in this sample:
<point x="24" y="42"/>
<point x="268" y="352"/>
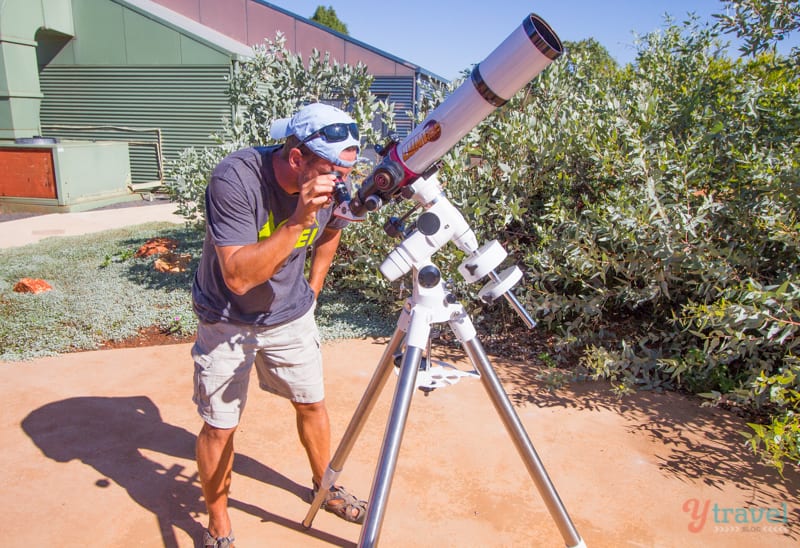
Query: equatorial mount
<point x="431" y="303"/>
<point x="440" y="223"/>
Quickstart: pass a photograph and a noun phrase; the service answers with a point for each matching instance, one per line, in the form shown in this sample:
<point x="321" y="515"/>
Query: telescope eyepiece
<point x="340" y="192"/>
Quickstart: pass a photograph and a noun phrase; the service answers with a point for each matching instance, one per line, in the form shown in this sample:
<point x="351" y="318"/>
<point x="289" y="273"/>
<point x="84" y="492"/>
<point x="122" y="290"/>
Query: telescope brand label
<point x="431" y="132"/>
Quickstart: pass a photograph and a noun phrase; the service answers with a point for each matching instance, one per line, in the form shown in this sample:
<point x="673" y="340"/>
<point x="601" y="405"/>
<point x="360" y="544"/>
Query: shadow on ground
<point x="703" y="444"/>
<point x="110" y="434"/>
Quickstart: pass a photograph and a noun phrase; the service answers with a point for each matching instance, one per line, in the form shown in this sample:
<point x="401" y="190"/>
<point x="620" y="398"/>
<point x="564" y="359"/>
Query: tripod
<point x="432" y="303"/>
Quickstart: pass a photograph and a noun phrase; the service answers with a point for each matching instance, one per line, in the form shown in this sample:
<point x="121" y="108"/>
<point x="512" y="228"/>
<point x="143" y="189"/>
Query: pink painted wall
<point x="251" y="22"/>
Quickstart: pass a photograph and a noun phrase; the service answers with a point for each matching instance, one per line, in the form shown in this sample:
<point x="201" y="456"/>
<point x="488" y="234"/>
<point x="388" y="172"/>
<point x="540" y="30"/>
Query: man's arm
<point x="324" y="251"/>
<point x="245" y="267"/>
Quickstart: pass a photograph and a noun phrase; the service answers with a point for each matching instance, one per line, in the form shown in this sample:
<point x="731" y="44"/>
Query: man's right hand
<point x="315" y="194"/>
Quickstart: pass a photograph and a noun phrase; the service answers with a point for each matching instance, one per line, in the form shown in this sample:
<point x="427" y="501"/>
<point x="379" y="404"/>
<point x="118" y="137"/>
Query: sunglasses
<point x="334" y="133"/>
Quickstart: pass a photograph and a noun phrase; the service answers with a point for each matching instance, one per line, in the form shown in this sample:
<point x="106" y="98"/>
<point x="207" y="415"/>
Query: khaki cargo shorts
<point x="287" y="358"/>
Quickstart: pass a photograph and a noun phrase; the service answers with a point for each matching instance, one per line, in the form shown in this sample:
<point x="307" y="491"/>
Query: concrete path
<point x="27" y="230"/>
<point x="98" y="451"/>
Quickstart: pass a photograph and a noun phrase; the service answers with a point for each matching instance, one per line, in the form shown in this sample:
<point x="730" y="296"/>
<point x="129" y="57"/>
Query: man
<point x="265" y="208"/>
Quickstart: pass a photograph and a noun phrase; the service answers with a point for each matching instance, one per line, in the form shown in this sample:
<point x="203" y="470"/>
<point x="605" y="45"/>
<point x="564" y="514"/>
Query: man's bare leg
<point x="214" y="464"/>
<point x="314" y="429"/>
<point x="313" y="426"/>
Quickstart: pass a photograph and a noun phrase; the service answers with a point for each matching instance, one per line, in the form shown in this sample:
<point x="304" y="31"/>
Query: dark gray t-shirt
<point x="244" y="205"/>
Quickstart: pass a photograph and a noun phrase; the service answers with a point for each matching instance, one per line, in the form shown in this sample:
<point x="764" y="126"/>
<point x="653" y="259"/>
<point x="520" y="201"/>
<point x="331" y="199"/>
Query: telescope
<point x="492" y="83"/>
<point x="407" y="170"/>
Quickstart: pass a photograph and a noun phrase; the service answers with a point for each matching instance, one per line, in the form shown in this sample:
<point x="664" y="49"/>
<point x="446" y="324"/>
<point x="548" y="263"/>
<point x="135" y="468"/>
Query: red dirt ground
<point x="99" y="451"/>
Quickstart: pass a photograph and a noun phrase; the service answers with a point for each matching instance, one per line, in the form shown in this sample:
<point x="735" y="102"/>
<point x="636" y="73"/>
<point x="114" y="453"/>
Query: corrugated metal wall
<point x="400" y="91"/>
<point x="187" y="104"/>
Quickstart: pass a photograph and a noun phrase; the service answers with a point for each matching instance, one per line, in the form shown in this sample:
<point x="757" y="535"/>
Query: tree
<point x="591" y="53"/>
<point x="761" y="23"/>
<point x="327" y="16"/>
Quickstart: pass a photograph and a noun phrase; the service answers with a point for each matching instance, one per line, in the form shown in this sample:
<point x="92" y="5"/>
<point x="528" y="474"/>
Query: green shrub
<point x="667" y="251"/>
<point x="652" y="207"/>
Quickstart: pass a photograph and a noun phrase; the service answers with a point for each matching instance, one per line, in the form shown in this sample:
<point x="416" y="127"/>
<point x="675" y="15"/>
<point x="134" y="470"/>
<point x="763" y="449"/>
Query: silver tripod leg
<point x="379" y="378"/>
<point x="391" y="447"/>
<point x="502" y="404"/>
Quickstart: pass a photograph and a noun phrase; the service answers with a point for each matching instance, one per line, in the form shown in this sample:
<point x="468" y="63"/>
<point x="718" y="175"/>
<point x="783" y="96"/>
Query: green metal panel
<point x="112" y="33"/>
<point x="58" y="16"/>
<point x="90" y="171"/>
<point x="187" y="103"/>
<point x="19" y="91"/>
<point x="148" y="43"/>
<point x="400" y="91"/>
<point x="19" y="82"/>
<point x="19" y="19"/>
<point x="99" y="33"/>
<point x="18" y="75"/>
<point x="86" y="175"/>
<point x="195" y="53"/>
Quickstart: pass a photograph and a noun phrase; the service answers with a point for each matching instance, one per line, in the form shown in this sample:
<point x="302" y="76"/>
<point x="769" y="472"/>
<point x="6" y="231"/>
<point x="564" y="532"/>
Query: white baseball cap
<point x="325" y="130"/>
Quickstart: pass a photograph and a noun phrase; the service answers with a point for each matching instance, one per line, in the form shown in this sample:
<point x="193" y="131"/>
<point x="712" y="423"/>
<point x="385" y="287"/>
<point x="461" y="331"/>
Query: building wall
<point x="253" y="21"/>
<point x="128" y="77"/>
<point x="400" y="91"/>
<point x="109" y="34"/>
<point x="22" y="23"/>
<point x="156" y="109"/>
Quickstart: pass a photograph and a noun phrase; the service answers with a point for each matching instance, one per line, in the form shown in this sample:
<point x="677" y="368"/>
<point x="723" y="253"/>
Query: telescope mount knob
<point x="429" y="276"/>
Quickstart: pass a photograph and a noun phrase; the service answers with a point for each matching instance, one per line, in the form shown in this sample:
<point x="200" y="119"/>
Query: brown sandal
<point x="343" y="504"/>
<point x="218" y="542"/>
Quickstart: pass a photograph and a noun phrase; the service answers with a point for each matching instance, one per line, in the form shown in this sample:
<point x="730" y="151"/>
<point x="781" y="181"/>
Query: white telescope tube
<point x="523" y="55"/>
<point x="515" y="62"/>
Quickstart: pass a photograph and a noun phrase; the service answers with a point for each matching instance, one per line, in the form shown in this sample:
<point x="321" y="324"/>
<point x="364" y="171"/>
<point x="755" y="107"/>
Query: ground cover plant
<point x="100" y="292"/>
<point x="103" y="295"/>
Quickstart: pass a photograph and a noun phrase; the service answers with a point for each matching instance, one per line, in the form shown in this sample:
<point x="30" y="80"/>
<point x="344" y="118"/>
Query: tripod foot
<point x="328" y="480"/>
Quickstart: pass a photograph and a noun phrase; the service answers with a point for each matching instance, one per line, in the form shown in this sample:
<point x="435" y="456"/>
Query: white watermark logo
<point x="755" y="519"/>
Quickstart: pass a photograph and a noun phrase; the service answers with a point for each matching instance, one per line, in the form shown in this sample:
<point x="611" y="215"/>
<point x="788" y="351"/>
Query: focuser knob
<point x="373" y="203"/>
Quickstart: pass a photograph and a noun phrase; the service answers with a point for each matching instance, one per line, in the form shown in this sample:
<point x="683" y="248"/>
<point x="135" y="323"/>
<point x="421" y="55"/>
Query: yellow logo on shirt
<point x="306" y="239"/>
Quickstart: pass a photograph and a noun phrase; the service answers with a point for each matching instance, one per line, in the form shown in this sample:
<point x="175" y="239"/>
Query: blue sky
<point x="447" y="36"/>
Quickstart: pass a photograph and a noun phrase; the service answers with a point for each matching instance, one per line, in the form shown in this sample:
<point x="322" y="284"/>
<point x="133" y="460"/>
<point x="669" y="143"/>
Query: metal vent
<point x="185" y="105"/>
